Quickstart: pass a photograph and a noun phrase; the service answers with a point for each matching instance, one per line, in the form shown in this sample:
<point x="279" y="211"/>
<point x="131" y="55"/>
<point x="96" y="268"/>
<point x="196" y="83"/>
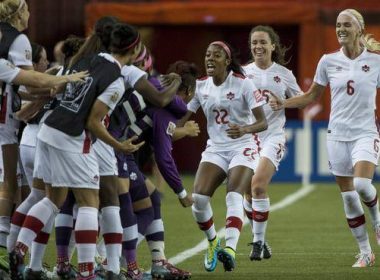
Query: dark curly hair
<point x="188" y="72"/>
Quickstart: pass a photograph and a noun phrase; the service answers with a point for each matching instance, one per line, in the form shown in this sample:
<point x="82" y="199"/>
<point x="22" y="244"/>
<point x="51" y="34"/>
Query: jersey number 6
<point x="350" y="87"/>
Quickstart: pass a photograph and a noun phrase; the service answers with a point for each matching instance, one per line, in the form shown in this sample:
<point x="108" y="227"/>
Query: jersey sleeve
<point x="112" y="94"/>
<point x="292" y="87"/>
<point x="321" y="72"/>
<point x="20" y="52"/>
<point x="131" y="75"/>
<point x="162" y="145"/>
<point x="252" y="95"/>
<point x="7" y="71"/>
<point x="195" y="103"/>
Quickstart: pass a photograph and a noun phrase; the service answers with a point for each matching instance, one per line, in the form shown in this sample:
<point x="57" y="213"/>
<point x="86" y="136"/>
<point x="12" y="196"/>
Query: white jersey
<point x="131" y="75"/>
<point x="353" y="84"/>
<point x="7" y="71"/>
<point x="231" y="102"/>
<point x="279" y="81"/>
<point x="20" y="54"/>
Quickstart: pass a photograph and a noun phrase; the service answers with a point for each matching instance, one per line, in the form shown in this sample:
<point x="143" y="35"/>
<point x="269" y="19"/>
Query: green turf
<point x="310" y="239"/>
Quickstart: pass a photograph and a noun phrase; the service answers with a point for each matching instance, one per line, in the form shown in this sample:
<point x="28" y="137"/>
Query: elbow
<point x="264" y="125"/>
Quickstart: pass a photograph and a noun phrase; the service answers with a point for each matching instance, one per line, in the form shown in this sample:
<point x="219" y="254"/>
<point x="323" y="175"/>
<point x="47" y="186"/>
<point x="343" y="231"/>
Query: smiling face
<point x="347" y="30"/>
<point x="261" y="47"/>
<point x="216" y="61"/>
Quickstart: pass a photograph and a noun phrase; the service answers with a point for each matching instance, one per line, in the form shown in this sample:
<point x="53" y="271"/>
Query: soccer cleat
<point x="64" y="271"/>
<point x="267" y="251"/>
<point x="162" y="269"/>
<point x="364" y="260"/>
<point x="100" y="271"/>
<point x="113" y="276"/>
<point x="91" y="277"/>
<point x="29" y="274"/>
<point x="377" y="232"/>
<point x="227" y="257"/>
<point x="211" y="255"/>
<point x="16" y="265"/>
<point x="133" y="274"/>
<point x="257" y="251"/>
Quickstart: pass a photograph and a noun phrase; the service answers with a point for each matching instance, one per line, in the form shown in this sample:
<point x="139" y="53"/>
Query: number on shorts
<point x="376" y="145"/>
<point x="350" y="87"/>
<point x="221" y="116"/>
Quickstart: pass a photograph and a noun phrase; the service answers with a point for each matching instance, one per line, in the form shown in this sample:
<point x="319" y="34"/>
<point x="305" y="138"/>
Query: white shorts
<point x="8" y="135"/>
<point x="273" y="148"/>
<point x="343" y="155"/>
<point x="106" y="159"/>
<point x="66" y="169"/>
<point x="27" y="154"/>
<point x="245" y="155"/>
<point x="21" y="178"/>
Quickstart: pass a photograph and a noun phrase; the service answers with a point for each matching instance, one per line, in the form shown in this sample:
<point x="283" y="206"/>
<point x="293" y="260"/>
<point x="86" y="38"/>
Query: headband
<point x="148" y="63"/>
<point x="133" y="44"/>
<point x="353" y="17"/>
<point x="224" y="46"/>
<point x="141" y="56"/>
<point x="22" y="2"/>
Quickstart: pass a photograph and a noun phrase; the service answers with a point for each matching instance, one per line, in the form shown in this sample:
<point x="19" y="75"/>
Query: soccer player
<point x="233" y="109"/>
<point x="65" y="157"/>
<point x="353" y="73"/>
<point x="269" y="74"/>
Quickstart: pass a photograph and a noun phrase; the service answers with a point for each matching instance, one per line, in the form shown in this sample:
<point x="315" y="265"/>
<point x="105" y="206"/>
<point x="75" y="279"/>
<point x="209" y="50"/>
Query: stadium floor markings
<point x="287" y="201"/>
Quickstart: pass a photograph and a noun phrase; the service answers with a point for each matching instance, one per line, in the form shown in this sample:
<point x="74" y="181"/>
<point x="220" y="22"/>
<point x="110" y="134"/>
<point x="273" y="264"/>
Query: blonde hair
<point x="367" y="39"/>
<point x="9" y="9"/>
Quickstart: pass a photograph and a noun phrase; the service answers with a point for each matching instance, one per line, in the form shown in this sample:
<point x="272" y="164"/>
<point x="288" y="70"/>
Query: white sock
<point x="368" y="194"/>
<point x="202" y="213"/>
<point x="260" y="218"/>
<point x="234" y="218"/>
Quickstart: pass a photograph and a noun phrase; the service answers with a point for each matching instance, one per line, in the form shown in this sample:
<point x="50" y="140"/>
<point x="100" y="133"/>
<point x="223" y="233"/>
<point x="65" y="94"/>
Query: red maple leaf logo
<point x="365" y="68"/>
<point x="277" y="79"/>
<point x="230" y="95"/>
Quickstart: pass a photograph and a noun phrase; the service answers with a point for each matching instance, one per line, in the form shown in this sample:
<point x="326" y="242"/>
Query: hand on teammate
<point x="167" y="80"/>
<point x="128" y="147"/>
<point x="77" y="77"/>
<point x="235" y="131"/>
<point x="192" y="128"/>
<point x="275" y="102"/>
<point x="187" y="201"/>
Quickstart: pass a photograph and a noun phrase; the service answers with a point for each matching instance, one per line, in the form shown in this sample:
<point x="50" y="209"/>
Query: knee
<point x="362" y="184"/>
<point x="200" y="201"/>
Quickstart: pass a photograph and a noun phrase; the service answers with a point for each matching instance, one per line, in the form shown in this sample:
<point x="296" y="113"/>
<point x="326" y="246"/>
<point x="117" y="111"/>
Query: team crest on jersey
<point x="170" y="129"/>
<point x="28" y="54"/>
<point x="365" y="68"/>
<point x="230" y="95"/>
<point x="277" y="79"/>
<point x="339" y="68"/>
<point x="133" y="176"/>
<point x="115" y="97"/>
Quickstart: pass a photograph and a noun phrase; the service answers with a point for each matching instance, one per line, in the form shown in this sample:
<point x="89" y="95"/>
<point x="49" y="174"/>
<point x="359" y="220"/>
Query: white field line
<point x="287" y="201"/>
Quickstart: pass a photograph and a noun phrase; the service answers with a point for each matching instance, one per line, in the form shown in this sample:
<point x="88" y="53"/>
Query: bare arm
<point x="96" y="127"/>
<point x="235" y="131"/>
<point x="40" y="80"/>
<point x="29" y="110"/>
<point x="299" y="101"/>
<point x="191" y="129"/>
<point x="157" y="98"/>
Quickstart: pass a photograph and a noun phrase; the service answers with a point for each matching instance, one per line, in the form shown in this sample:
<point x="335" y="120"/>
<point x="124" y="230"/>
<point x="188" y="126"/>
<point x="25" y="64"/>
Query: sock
<point x="19" y="215"/>
<point x="202" y="213"/>
<point x="39" y="245"/>
<point x="129" y="224"/>
<point x="356" y="220"/>
<point x="5" y="224"/>
<point x="155" y="231"/>
<point x="38" y="216"/>
<point x="64" y="225"/>
<point x="144" y="219"/>
<point x="234" y="221"/>
<point x="248" y="211"/>
<point x="86" y="231"/>
<point x="260" y="218"/>
<point x="368" y="194"/>
<point x="112" y="235"/>
<point x="72" y="244"/>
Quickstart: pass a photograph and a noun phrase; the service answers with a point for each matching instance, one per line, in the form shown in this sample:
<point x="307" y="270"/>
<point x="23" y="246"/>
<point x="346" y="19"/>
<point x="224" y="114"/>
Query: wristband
<point x="182" y="194"/>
